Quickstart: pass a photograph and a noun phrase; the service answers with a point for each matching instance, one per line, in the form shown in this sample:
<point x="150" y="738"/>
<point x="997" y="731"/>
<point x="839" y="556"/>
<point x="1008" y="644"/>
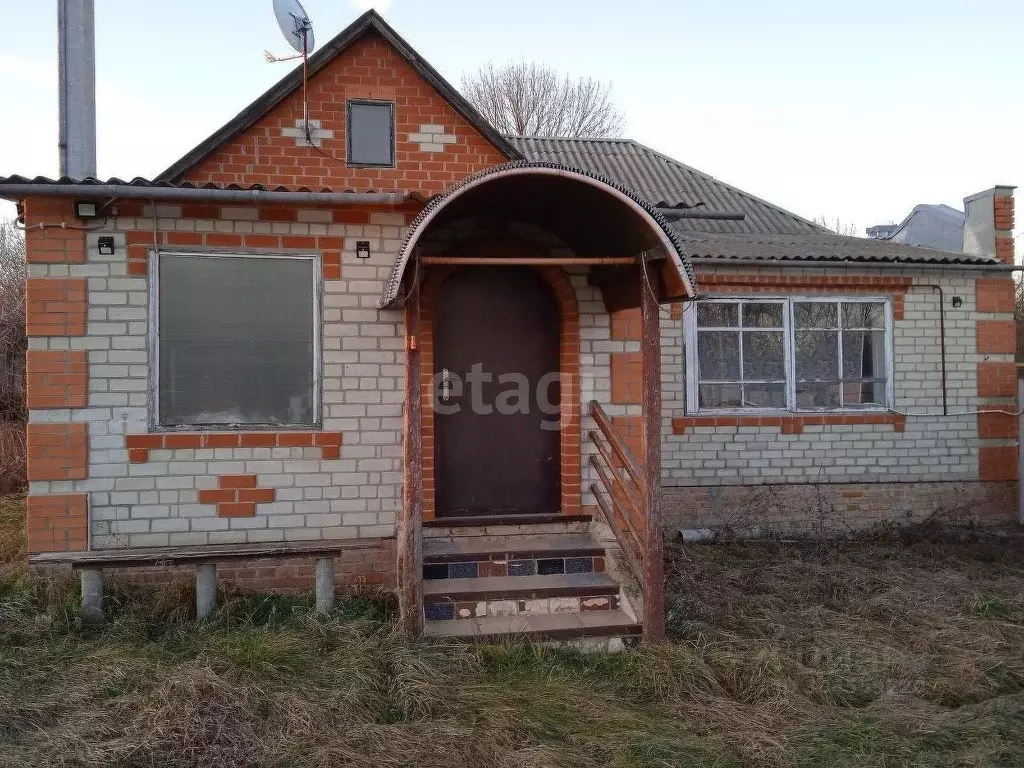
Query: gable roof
<point x="370" y="21"/>
<point x="667" y="183"/>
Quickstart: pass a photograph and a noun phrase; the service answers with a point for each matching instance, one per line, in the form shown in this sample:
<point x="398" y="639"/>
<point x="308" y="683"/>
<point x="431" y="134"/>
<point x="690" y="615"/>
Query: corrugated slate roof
<point x="667" y="183"/>
<point x="821" y="246"/>
<point x="139" y="181"/>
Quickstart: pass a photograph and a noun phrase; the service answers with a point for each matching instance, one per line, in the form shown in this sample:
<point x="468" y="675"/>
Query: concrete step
<point x="519" y="587"/>
<point x="505" y="525"/>
<point x="452" y="599"/>
<point x="605" y="625"/>
<point x="525" y="547"/>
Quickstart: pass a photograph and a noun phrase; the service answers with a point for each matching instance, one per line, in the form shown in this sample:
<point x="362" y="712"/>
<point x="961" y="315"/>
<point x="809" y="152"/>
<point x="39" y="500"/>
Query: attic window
<point x="371" y="133"/>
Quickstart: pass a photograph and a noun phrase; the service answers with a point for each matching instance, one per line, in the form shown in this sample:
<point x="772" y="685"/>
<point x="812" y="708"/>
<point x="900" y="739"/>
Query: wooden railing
<point x="620" y="493"/>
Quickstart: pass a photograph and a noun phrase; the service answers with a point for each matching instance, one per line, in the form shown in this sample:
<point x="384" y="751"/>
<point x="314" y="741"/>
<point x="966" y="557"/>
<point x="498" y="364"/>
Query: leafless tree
<point x="528" y="99"/>
<point x="838" y="226"/>
<point x="13" y="344"/>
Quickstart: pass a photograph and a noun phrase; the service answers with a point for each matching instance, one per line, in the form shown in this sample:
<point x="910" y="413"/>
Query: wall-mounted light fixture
<point x="86" y="209"/>
<point x="362" y="249"/>
<point x="957" y="302"/>
<point x="105" y="245"/>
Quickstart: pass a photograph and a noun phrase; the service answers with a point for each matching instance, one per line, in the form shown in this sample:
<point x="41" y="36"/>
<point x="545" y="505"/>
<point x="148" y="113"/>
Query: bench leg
<point x="206" y="589"/>
<point x="324" y="584"/>
<point x="92" y="594"/>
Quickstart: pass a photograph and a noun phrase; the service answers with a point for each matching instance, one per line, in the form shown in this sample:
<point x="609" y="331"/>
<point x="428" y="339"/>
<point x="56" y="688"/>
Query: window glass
<point x="236" y="340"/>
<point x="371" y="139"/>
<point x="742" y="363"/>
<point x="832" y="355"/>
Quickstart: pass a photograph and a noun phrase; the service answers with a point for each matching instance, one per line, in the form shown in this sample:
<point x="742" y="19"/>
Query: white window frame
<point x="788" y="301"/>
<point x="154" y="343"/>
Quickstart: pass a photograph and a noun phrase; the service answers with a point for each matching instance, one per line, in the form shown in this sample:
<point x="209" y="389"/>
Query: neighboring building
<point x="271" y="350"/>
<point x="930" y="226"/>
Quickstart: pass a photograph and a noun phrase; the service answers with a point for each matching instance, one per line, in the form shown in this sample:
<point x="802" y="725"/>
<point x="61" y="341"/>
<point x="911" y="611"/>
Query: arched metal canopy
<point x="590" y="213"/>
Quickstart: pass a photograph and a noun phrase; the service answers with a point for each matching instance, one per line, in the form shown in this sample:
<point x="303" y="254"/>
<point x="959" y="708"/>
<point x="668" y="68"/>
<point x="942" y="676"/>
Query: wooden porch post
<point x="650" y="352"/>
<point x="410" y="527"/>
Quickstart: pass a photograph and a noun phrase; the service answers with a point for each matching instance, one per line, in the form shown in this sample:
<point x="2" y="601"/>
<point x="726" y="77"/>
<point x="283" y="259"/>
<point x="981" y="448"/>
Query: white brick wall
<point x="156" y="503"/>
<point x="933" y="446"/>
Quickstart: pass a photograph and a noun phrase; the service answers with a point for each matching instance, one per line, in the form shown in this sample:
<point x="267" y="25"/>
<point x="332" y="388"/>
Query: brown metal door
<point x="496" y="432"/>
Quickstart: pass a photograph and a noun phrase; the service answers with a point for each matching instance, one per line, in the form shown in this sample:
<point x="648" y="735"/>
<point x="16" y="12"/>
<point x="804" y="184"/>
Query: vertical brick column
<point x="1004" y="218"/>
<point x="60" y="239"/>
<point x="996" y="335"/>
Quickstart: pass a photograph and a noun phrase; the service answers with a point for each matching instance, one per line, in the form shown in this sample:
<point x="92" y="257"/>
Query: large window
<point x="237" y="341"/>
<point x="800" y="354"/>
<point x="371" y="133"/>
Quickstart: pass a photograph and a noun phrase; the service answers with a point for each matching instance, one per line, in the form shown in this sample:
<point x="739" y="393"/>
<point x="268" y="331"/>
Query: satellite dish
<point x="295" y="25"/>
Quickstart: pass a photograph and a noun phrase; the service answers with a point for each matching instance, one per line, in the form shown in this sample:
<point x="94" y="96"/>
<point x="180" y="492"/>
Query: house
<point x="932" y="226"/>
<point x="395" y="348"/>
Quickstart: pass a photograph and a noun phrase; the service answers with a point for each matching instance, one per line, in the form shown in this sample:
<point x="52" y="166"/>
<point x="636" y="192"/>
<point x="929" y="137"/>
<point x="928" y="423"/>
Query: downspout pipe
<point x="250" y="196"/>
<point x="942" y="339"/>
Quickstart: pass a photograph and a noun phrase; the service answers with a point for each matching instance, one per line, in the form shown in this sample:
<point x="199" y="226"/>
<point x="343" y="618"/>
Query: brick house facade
<point x="106" y="474"/>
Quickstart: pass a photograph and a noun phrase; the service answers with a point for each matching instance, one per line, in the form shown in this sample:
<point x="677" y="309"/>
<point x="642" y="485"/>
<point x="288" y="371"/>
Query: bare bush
<point x="528" y="99"/>
<point x="13" y="344"/>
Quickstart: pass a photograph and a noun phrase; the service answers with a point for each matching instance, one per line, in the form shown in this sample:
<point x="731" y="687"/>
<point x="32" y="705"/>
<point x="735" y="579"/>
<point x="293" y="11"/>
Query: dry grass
<point x="889" y="650"/>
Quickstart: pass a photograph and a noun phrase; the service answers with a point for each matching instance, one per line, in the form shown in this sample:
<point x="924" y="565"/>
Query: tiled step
<point x="504" y="520"/>
<point x="527" y="547"/>
<point x="451" y="599"/>
<point x="539" y="627"/>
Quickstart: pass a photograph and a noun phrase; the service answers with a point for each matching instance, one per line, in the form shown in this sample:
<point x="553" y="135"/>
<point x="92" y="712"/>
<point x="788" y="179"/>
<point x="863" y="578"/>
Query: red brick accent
<point x="1003" y="212"/>
<point x="677" y="310"/>
<point x="236" y="495"/>
<point x="997" y="426"/>
<point x="997" y="463"/>
<point x="56" y="379"/>
<point x="140" y="242"/>
<point x="355" y="571"/>
<point x="56" y="306"/>
<point x="569" y="355"/>
<point x="997" y="337"/>
<point x="139" y="446"/>
<point x="790" y="424"/>
<point x="53" y="243"/>
<point x="630" y="429"/>
<point x="369" y="69"/>
<point x="994" y="295"/>
<point x="1004" y="248"/>
<point x="627" y="378"/>
<point x="58" y="523"/>
<point x="626" y="325"/>
<point x="997" y="379"/>
<point x="57" y="451"/>
<point x="753" y="282"/>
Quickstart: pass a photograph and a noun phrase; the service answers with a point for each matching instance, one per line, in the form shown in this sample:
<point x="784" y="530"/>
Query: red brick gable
<point x="369" y="69"/>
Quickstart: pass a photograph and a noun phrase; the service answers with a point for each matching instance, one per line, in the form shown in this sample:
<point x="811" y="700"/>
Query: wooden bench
<point x="90" y="565"/>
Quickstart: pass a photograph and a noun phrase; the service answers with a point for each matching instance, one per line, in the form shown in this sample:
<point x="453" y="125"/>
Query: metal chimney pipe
<point x="76" y="65"/>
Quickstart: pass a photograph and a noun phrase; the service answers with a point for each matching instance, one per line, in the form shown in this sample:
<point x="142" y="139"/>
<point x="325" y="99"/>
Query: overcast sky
<point x="850" y="110"/>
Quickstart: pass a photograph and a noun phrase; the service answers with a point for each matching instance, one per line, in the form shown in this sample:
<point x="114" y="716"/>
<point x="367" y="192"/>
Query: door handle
<point x="446" y="385"/>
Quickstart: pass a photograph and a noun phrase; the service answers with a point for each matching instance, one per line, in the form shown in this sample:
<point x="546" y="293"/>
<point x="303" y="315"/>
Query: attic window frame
<point x="349" y="103"/>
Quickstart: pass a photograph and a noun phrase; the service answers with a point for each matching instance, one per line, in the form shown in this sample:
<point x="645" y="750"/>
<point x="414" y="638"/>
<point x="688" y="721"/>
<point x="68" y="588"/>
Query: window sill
<point x="139" y="446"/>
<point x="793" y="423"/>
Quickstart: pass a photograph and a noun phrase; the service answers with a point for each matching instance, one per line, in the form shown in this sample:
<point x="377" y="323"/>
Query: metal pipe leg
<point x="206" y="589"/>
<point x="92" y="594"/>
<point x="324" y="584"/>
